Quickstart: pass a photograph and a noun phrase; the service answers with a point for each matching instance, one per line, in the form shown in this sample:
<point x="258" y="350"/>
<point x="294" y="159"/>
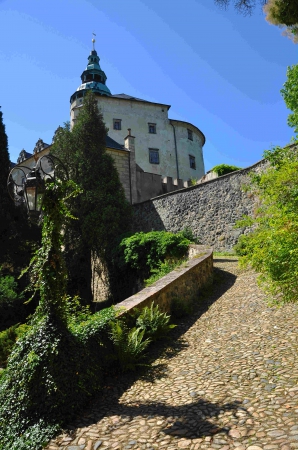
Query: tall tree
<point x="6" y="205"/>
<point x="102" y="210"/>
<point x="17" y="235"/>
<point x="283" y="13"/>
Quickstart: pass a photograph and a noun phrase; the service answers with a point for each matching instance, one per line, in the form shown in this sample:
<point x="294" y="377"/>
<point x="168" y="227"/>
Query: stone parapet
<point x="184" y="283"/>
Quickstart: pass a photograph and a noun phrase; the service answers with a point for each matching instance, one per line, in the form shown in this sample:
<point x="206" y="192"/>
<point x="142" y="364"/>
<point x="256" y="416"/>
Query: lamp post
<point x="27" y="184"/>
<point x="45" y="187"/>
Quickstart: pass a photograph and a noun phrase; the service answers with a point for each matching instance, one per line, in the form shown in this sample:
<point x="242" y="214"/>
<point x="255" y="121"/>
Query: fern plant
<point x="154" y="323"/>
<point x="129" y="345"/>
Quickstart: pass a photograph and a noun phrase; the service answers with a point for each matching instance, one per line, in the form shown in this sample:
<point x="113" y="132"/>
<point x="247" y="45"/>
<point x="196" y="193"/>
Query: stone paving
<point x="228" y="381"/>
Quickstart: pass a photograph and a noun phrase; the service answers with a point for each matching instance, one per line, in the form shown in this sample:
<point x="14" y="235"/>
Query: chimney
<point x="129" y="144"/>
<point x="129" y="141"/>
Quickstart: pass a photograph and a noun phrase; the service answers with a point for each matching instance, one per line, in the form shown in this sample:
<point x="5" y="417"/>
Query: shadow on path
<point x="189" y="420"/>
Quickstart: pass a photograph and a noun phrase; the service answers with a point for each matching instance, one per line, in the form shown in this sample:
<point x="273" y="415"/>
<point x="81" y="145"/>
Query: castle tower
<point x="92" y="78"/>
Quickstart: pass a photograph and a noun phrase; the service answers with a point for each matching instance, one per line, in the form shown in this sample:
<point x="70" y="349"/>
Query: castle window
<point x="117" y="124"/>
<point x="189" y="135"/>
<point x="154" y="155"/>
<point x="152" y="128"/>
<point x="192" y="162"/>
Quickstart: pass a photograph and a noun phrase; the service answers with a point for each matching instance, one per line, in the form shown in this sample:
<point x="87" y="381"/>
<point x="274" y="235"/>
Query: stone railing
<point x="183" y="283"/>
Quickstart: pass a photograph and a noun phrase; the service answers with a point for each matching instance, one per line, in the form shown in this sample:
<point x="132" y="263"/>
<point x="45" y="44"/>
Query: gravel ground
<point x="229" y="380"/>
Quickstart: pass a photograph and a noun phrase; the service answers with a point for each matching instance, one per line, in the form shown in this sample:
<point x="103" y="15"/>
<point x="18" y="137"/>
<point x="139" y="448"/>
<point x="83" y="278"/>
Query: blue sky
<point x="219" y="70"/>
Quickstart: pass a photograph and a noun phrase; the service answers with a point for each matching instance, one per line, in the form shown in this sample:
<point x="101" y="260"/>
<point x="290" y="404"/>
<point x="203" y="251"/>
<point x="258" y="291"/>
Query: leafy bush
<point x="8" y="339"/>
<point x="223" y="169"/>
<point x="154" y="323"/>
<point x="11" y="302"/>
<point x="129" y="345"/>
<point x="148" y="249"/>
<point x="75" y="312"/>
<point x="51" y="373"/>
<point x="272" y="247"/>
<point x="136" y="256"/>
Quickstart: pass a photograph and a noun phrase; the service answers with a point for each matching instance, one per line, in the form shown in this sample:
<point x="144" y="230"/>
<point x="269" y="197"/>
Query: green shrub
<point x="51" y="373"/>
<point x="271" y="247"/>
<point x="223" y="169"/>
<point x="11" y="302"/>
<point x="154" y="323"/>
<point x="8" y="339"/>
<point x="76" y="312"/>
<point x="148" y="249"/>
<point x="129" y="345"/>
<point x="135" y="256"/>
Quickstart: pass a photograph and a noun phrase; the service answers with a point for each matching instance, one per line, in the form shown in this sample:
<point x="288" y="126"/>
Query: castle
<point x="153" y="154"/>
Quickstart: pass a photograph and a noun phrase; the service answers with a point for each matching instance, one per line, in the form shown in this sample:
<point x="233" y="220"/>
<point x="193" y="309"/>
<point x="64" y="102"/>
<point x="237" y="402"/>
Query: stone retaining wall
<point x="210" y="209"/>
<point x="183" y="283"/>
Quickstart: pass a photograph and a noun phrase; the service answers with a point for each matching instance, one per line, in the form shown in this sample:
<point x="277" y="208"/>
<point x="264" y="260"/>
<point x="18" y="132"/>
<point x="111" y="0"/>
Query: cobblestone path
<point x="229" y="381"/>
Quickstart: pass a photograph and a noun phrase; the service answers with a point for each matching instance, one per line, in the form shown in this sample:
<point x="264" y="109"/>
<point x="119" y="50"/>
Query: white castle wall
<point x="136" y="115"/>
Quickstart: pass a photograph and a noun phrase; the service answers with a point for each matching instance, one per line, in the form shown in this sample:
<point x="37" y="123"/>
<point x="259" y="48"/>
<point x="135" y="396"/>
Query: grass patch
<point x="163" y="269"/>
<point x="231" y="253"/>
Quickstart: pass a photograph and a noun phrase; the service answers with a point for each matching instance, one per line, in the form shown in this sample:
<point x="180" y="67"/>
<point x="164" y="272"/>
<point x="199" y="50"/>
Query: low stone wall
<point x="209" y="209"/>
<point x="184" y="283"/>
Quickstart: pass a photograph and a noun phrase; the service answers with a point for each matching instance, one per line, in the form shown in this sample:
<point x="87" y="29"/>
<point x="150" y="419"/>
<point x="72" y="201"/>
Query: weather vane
<point x="93" y="40"/>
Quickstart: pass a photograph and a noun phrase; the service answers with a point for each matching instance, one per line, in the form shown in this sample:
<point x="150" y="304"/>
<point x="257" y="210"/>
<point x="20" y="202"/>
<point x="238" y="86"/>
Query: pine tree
<point x="102" y="210"/>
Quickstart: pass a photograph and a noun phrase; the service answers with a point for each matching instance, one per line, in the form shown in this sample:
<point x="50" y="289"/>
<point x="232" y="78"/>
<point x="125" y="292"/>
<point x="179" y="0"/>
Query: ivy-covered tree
<point x="102" y="210"/>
